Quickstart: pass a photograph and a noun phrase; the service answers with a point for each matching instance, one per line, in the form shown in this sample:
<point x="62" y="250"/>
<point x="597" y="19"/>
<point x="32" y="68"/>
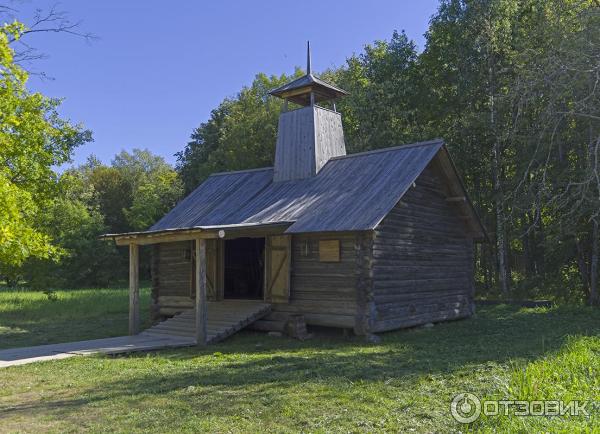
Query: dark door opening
<point x="244" y="268"/>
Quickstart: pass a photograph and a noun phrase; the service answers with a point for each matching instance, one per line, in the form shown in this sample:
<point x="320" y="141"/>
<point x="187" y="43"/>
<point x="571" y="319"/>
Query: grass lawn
<point x="35" y="318"/>
<point x="254" y="383"/>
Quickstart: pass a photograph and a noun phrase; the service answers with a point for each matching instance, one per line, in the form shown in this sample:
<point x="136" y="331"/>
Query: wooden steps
<point x="224" y="318"/>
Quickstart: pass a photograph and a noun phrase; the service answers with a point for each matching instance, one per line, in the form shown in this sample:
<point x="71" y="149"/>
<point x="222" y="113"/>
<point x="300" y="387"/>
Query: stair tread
<point x="223" y="320"/>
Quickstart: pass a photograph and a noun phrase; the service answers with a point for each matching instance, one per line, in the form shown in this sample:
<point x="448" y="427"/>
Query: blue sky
<point x="159" y="68"/>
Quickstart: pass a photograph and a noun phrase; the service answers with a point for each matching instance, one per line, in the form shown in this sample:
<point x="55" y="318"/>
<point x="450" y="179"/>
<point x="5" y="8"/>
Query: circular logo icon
<point x="465" y="408"/>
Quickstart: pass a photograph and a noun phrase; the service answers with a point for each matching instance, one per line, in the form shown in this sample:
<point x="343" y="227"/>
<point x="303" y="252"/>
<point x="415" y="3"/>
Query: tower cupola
<point x="310" y="135"/>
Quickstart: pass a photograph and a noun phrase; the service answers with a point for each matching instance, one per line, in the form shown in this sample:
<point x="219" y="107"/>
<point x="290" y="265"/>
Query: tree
<point x="33" y="140"/>
<point x="154" y="197"/>
<point x="510" y="85"/>
<point x="468" y="67"/>
<point x="50" y="20"/>
<point x="381" y="108"/>
<point x="131" y="194"/>
<point x="559" y="176"/>
<point x="75" y="226"/>
<point x="240" y="134"/>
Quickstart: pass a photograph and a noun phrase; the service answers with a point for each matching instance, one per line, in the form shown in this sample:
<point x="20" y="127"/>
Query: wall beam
<point x="201" y="314"/>
<point x="134" y="290"/>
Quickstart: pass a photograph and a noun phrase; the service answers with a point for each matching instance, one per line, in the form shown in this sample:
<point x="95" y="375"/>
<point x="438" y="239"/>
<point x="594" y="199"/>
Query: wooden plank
<point x="163" y="237"/>
<point x="201" y="292"/>
<point x="329" y="250"/>
<point x="278" y="268"/>
<point x="223" y="319"/>
<point x="134" y="290"/>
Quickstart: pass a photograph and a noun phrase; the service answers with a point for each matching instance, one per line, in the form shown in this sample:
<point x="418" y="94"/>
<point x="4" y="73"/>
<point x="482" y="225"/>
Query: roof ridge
<point x="391" y="148"/>
<point x="240" y="171"/>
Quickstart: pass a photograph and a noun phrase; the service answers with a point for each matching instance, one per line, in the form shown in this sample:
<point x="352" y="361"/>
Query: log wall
<point x="422" y="261"/>
<point x="172" y="290"/>
<point x="323" y="292"/>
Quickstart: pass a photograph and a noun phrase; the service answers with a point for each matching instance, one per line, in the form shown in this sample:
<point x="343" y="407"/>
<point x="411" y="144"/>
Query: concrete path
<point x="122" y="344"/>
<point x="224" y="318"/>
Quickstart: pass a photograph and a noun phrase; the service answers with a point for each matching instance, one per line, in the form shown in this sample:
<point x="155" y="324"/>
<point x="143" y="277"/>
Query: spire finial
<point x="308" y="71"/>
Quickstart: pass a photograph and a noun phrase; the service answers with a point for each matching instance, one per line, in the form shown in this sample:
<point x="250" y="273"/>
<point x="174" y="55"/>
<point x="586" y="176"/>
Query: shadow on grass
<point x="252" y="366"/>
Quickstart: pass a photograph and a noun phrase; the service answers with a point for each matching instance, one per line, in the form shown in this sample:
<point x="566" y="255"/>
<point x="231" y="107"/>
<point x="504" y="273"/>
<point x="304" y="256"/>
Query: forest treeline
<point x="513" y="88"/>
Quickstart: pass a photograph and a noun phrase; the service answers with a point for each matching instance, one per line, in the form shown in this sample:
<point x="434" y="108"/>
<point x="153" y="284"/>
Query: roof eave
<point x="308" y="81"/>
<point x="191" y="233"/>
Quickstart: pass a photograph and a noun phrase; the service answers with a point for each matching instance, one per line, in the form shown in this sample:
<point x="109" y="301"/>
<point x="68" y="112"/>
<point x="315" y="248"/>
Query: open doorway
<point x="244" y="268"/>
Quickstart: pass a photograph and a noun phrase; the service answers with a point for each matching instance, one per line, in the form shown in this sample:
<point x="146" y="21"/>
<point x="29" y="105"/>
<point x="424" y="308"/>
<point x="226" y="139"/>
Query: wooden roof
<point x="298" y="91"/>
<point x="352" y="192"/>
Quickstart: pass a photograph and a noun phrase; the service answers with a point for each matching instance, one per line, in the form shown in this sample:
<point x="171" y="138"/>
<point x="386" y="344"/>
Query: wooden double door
<point x="275" y="263"/>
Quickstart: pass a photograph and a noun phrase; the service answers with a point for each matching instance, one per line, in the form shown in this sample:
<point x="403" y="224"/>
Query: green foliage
<point x="131" y="194"/>
<point x="75" y="227"/>
<point x="154" y="198"/>
<point x="240" y="133"/>
<point x="381" y="110"/>
<point x="33" y="139"/>
<point x="112" y="193"/>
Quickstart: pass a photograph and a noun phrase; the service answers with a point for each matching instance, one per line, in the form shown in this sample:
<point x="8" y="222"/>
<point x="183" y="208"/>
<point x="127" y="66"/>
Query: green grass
<point x="254" y="383"/>
<point x="36" y="318"/>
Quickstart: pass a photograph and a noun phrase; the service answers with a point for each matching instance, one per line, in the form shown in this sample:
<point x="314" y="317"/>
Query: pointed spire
<point x="308" y="89"/>
<point x="308" y="69"/>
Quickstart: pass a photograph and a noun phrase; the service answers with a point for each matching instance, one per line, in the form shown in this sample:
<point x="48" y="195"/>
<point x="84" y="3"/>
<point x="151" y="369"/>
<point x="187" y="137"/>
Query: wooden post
<point x="134" y="290"/>
<point x="201" y="292"/>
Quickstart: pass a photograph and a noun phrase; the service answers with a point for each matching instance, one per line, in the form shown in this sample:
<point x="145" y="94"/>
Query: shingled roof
<point x="353" y="192"/>
<point x="322" y="91"/>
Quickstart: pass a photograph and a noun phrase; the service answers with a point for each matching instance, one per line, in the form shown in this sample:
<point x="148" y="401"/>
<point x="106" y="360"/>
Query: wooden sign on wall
<point x="329" y="250"/>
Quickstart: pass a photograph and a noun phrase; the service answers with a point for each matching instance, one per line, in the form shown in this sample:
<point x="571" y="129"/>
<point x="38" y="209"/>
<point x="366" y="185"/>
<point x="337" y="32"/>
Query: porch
<point x="198" y="299"/>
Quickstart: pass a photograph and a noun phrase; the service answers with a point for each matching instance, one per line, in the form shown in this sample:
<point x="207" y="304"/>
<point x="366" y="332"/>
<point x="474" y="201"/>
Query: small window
<point x="305" y="248"/>
<point x="187" y="255"/>
<point x="329" y="250"/>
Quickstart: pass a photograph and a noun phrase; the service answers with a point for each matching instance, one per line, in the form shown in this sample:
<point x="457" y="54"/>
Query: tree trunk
<point x="594" y="264"/>
<point x="501" y="244"/>
<point x="503" y="277"/>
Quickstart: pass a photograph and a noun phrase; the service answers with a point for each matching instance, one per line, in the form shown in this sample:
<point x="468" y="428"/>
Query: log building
<point x="372" y="241"/>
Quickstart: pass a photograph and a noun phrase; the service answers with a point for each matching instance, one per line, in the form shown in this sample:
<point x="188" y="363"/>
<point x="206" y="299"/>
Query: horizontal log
<point x="405" y="261"/>
<point x="399" y="285"/>
<point x="392" y="241"/>
<point x="423" y="236"/>
<point x="174" y="299"/>
<point x="415" y="320"/>
<point x="175" y="278"/>
<point x="317" y="307"/>
<point x="447" y="219"/>
<point x="402" y="311"/>
<point x="324" y="281"/>
<point x="320" y="306"/>
<point x="332" y="296"/>
<point x="323" y="274"/>
<point x="431" y="270"/>
<point x="383" y="299"/>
